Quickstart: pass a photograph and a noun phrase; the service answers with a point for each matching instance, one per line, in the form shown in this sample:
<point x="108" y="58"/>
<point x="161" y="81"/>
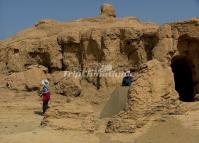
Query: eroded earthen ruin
<point x="165" y="59"/>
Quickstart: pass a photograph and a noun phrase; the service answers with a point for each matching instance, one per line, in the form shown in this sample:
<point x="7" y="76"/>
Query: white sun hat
<point x="45" y="82"/>
<point x="128" y="72"/>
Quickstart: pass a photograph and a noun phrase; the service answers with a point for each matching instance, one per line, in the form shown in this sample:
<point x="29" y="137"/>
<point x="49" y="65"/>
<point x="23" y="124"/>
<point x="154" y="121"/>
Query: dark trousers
<point x="45" y="106"/>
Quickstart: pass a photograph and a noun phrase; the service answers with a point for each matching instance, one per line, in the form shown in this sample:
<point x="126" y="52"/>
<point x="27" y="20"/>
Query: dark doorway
<point x="183" y="78"/>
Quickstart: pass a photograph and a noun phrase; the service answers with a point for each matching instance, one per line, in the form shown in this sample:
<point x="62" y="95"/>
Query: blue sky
<point x="16" y="15"/>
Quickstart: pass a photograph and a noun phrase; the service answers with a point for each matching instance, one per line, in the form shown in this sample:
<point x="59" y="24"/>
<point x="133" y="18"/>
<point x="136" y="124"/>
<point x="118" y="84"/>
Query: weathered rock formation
<point x="152" y="92"/>
<point x="108" y="10"/>
<point x="163" y="55"/>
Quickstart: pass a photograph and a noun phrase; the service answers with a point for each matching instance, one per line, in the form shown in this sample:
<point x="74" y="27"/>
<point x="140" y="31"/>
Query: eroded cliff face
<point x="152" y="93"/>
<point x="156" y="52"/>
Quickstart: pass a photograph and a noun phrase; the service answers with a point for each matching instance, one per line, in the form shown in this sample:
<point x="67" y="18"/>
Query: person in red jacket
<point x="45" y="94"/>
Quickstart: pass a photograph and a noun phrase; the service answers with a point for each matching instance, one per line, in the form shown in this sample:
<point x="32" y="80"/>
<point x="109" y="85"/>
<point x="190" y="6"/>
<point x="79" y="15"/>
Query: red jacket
<point x="46" y="96"/>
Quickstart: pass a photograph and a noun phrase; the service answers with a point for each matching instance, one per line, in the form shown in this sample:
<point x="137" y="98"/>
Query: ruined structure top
<point x="108" y="10"/>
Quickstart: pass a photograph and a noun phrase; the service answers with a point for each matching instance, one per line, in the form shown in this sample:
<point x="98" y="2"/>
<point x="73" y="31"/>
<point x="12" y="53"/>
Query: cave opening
<point x="181" y="68"/>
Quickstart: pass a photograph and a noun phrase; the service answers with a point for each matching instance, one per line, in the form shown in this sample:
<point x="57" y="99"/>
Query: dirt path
<point x="116" y="103"/>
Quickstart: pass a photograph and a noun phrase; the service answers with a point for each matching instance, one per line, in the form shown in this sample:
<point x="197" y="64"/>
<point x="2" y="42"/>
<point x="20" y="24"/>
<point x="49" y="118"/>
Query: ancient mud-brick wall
<point x="154" y="88"/>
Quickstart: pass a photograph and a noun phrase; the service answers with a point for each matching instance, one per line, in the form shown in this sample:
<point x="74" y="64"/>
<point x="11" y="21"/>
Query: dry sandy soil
<point x="20" y="123"/>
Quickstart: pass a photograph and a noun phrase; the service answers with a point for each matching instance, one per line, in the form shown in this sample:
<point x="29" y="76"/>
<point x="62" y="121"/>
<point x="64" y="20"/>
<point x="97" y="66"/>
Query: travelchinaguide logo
<point x="102" y="71"/>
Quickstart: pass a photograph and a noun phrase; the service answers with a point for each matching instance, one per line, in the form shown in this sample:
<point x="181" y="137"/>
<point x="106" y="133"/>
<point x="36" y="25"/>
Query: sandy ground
<point x="20" y="123"/>
<point x="169" y="131"/>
